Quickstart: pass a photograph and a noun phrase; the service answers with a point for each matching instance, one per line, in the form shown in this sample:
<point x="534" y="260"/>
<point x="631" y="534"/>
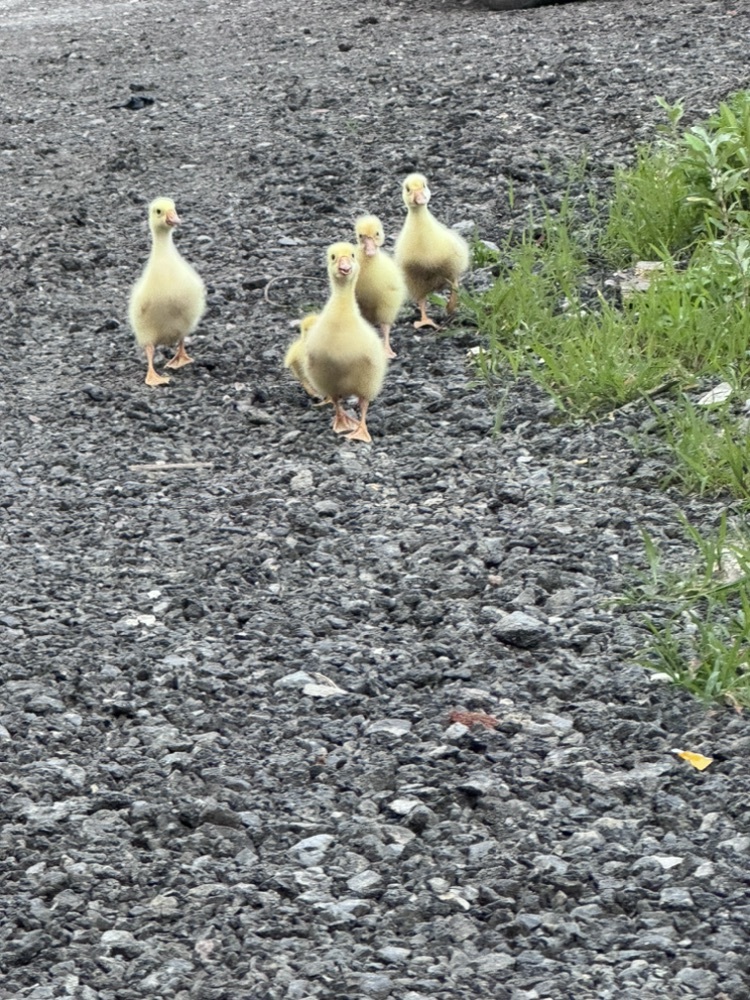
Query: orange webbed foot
<point x="424" y="319"/>
<point x="342" y="421"/>
<point x="360" y="433"/>
<point x="180" y="359"/>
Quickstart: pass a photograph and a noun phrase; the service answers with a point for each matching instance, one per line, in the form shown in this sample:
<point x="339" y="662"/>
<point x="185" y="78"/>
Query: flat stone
<point x="701" y="982"/>
<point x="121" y="941"/>
<point x="675" y="898"/>
<point x="296" y="680"/>
<point x="302" y="482"/>
<point x="394" y="954"/>
<point x="403" y="806"/>
<point x="365" y="882"/>
<point x="314" y="690"/>
<point x="393" y="727"/>
<point x="373" y="984"/>
<point x="311" y="850"/>
<point x="520" y="629"/>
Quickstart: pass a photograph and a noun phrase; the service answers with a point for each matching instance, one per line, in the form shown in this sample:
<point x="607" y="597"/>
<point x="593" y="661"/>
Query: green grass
<point x="593" y="355"/>
<point x="554" y="315"/>
<point x="650" y="217"/>
<point x="711" y="450"/>
<point x="551" y="315"/>
<point x="700" y="633"/>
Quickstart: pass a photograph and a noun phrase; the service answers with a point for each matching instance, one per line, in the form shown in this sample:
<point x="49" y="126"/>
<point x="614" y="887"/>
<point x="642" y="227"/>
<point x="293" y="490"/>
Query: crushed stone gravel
<point x="232" y="645"/>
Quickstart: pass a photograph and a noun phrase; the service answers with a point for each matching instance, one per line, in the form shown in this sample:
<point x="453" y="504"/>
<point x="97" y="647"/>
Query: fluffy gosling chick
<point x="344" y="355"/>
<point x="380" y="288"/>
<point x="169" y="298"/>
<point x="294" y="359"/>
<point x="430" y="254"/>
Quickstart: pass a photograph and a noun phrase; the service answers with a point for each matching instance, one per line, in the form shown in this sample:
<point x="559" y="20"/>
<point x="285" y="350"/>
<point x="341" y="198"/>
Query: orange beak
<point x="172" y="218"/>
<point x="344" y="265"/>
<point x="369" y="246"/>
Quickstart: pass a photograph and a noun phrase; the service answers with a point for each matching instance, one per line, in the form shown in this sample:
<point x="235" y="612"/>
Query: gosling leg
<point x="360" y="432"/>
<point x="385" y="329"/>
<point x="152" y="376"/>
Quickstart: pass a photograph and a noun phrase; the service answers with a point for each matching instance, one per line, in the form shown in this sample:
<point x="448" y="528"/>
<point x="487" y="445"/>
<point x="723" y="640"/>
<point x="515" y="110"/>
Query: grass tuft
<point x="571" y="309"/>
<point x="553" y="315"/>
<point x="700" y="637"/>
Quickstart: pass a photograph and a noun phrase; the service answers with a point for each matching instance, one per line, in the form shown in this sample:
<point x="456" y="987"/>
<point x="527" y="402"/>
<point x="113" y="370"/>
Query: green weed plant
<point x="554" y="314"/>
<point x="698" y="617"/>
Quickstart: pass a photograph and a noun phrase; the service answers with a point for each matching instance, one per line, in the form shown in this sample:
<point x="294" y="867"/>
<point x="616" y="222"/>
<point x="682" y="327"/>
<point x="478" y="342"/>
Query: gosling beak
<point x="369" y="246"/>
<point x="422" y="196"/>
<point x="172" y="218"/>
<point x="344" y="266"/>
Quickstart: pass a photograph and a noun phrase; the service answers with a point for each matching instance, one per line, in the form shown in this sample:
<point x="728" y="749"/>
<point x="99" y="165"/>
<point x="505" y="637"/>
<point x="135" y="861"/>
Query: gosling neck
<point x="342" y="289"/>
<point x="161" y="237"/>
<point x="419" y="211"/>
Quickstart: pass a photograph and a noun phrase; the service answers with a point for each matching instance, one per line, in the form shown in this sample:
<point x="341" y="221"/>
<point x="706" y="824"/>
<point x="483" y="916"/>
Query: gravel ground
<point x="231" y="763"/>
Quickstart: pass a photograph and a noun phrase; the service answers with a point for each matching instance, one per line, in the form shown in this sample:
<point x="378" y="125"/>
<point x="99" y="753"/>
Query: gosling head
<point x="342" y="266"/>
<point x="369" y="234"/>
<point x="162" y="215"/>
<point x="416" y="191"/>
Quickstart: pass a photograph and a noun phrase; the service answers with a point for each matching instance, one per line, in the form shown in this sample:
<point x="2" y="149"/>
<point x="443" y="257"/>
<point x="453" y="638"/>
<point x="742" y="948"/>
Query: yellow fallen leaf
<point x="698" y="761"/>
